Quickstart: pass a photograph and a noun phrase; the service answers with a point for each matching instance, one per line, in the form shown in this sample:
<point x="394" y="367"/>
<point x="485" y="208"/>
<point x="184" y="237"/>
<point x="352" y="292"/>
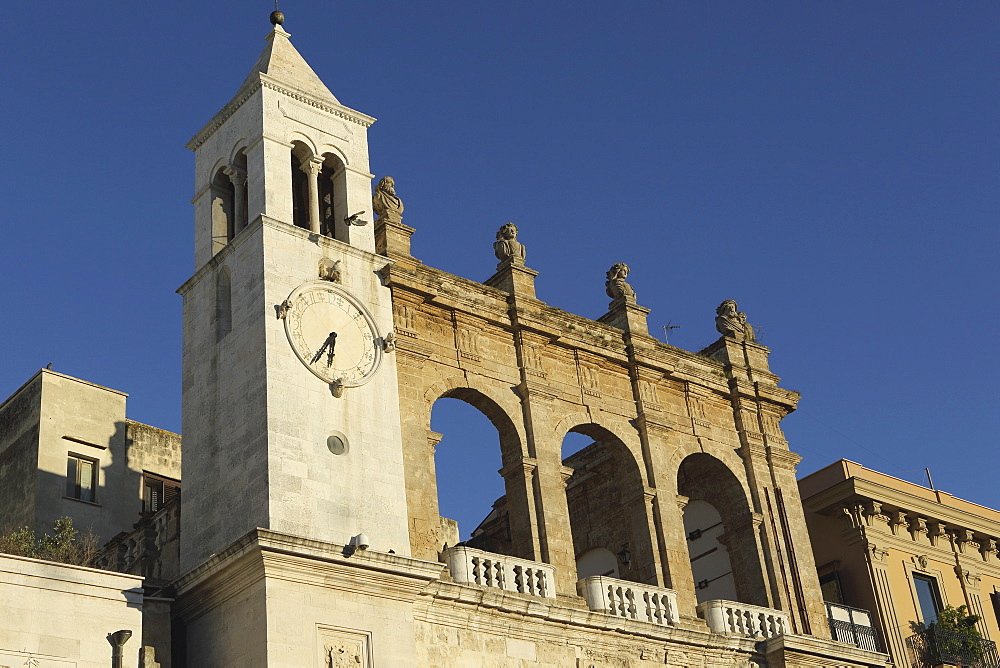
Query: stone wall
<point x="154" y="450"/>
<point x="19" y="417"/>
<point x="61" y="615"/>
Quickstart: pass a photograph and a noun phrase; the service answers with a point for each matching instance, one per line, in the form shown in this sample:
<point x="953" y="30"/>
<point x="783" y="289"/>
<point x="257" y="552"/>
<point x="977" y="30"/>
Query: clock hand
<point x="332" y="340"/>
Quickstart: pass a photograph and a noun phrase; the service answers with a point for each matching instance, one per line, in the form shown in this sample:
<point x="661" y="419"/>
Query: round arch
<point x="488" y="401"/>
<point x="719" y="514"/>
<point x="607" y="506"/>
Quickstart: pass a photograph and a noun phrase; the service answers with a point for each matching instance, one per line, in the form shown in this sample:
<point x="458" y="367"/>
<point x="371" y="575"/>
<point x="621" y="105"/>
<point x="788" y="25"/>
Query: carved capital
<point x="877" y="554"/>
<point x="682" y="501"/>
<point x="433" y="438"/>
<point x="313" y="167"/>
<point x="565" y="472"/>
<point x="237" y="175"/>
<point x="525" y="467"/>
<point x="970" y="579"/>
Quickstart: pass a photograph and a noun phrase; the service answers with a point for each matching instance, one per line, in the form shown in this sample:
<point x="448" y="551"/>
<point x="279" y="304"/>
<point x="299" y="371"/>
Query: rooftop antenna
<point x="666" y="330"/>
<point x="929" y="478"/>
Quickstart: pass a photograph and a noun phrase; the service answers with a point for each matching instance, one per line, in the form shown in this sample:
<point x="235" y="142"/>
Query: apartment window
<point x="829" y="584"/>
<point x="81" y="478"/>
<point x="157" y="491"/>
<point x="928" y="597"/>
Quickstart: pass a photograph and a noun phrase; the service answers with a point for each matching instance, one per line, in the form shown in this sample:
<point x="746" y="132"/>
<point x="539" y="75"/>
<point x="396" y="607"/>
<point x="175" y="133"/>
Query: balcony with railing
<point x="468" y="565"/>
<point x="629" y="600"/>
<point x="854" y="626"/>
<point x="937" y="647"/>
<point x="740" y="619"/>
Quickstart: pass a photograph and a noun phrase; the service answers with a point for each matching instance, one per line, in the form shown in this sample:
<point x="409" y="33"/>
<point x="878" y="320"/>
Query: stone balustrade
<point x="630" y="600"/>
<point x="751" y="621"/>
<point x="471" y="566"/>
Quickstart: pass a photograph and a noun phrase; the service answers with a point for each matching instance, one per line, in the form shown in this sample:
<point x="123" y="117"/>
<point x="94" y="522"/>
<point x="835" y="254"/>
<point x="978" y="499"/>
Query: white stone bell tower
<point x="281" y="432"/>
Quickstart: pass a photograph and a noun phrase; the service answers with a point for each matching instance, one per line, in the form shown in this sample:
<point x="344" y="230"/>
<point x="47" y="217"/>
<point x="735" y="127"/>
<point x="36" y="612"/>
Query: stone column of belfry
<point x="238" y="177"/>
<point x="312" y="170"/>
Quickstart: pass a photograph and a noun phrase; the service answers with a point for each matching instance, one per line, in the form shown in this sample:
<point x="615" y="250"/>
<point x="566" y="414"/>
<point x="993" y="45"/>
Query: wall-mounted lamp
<point x="624" y="556"/>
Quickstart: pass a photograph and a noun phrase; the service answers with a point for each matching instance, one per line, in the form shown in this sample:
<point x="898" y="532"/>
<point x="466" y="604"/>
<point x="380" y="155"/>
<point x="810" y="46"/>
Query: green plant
<point x="65" y="544"/>
<point x="954" y="638"/>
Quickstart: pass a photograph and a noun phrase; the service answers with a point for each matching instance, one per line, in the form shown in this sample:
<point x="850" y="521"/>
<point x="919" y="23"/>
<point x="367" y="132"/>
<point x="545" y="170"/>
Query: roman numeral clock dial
<point x="333" y="334"/>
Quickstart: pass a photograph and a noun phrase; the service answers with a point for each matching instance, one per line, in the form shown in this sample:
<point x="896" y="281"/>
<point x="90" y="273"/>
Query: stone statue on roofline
<point x="507" y="247"/>
<point x="732" y="322"/>
<point x="385" y="203"/>
<point x="615" y="286"/>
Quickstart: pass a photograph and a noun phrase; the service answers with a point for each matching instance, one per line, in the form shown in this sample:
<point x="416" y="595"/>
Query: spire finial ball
<point x="277" y="18"/>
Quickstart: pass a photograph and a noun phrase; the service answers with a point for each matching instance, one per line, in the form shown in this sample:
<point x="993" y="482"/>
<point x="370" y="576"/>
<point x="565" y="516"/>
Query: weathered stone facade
<point x="311" y="529"/>
<point x="350" y="561"/>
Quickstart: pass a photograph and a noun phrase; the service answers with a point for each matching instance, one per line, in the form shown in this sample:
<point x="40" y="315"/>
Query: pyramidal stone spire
<point x="283" y="64"/>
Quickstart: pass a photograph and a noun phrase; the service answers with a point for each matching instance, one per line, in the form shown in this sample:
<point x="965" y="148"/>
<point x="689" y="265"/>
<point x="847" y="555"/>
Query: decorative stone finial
<point x="615" y="286"/>
<point x="507" y="247"/>
<point x="387" y="206"/>
<point x="277" y="18"/>
<point x="732" y="322"/>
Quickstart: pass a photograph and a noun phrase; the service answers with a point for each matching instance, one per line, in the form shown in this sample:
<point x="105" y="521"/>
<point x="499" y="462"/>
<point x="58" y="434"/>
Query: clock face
<point x="333" y="334"/>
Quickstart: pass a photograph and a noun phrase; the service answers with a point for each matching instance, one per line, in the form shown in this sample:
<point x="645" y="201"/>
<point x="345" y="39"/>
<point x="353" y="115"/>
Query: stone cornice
<point x="853" y="489"/>
<point x="265" y="81"/>
<point x="263" y="553"/>
<point x="262" y="221"/>
<point x="451" y="604"/>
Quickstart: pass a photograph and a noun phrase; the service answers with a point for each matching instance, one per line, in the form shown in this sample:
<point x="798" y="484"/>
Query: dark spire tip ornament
<point x="277" y="18"/>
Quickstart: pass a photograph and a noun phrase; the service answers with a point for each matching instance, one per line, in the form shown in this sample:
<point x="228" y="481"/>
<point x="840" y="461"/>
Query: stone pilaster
<point x="876" y="559"/>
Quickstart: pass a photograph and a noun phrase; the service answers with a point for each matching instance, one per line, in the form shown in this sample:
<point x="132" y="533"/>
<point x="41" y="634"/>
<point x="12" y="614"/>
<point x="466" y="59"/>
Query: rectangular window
<point x="928" y="597"/>
<point x="157" y="491"/>
<point x="81" y="478"/>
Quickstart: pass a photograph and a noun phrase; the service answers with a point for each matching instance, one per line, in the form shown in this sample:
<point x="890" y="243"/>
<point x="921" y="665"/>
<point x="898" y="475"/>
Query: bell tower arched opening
<point x="333" y="198"/>
<point x="300" y="157"/>
<point x="606" y="504"/>
<point x="721" y="530"/>
<point x="223" y="209"/>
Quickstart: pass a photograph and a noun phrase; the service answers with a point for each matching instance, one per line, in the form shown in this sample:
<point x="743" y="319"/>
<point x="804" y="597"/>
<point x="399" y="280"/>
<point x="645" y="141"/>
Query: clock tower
<point x="291" y="409"/>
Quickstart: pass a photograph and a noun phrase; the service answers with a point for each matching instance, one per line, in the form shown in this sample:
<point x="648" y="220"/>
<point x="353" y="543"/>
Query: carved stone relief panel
<point x="533" y="362"/>
<point x="468" y="343"/>
<point x="344" y="648"/>
<point x="589" y="380"/>
<point x="649" y="395"/>
<point x="405" y="316"/>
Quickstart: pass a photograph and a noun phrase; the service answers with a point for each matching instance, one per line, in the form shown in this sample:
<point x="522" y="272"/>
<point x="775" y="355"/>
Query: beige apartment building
<point x="903" y="552"/>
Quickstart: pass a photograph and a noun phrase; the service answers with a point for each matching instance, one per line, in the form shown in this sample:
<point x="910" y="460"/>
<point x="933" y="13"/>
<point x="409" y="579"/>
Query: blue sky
<point x="831" y="166"/>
